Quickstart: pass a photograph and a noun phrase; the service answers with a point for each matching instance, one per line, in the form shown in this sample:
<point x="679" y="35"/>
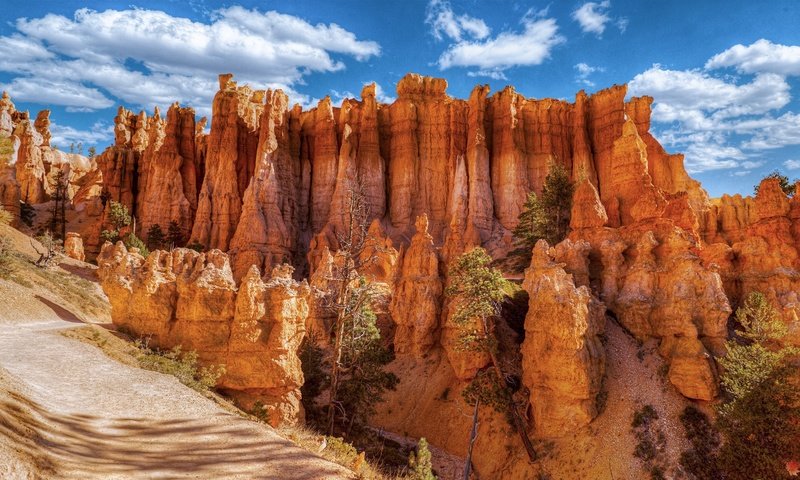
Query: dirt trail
<point x="68" y="411"/>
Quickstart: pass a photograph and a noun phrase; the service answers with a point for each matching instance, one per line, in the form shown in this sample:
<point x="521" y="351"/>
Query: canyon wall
<point x="466" y="164"/>
<point x="29" y="164"/>
<point x="270" y="183"/>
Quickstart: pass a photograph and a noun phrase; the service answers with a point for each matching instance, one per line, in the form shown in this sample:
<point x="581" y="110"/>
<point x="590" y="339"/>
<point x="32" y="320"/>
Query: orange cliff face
<point x="269" y="185"/>
<point x="466" y="164"/>
<point x="29" y="164"/>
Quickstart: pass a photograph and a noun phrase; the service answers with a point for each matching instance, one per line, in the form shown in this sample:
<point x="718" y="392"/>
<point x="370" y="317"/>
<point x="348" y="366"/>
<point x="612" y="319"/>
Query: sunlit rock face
<point x="30" y="166"/>
<point x="189" y="299"/>
<point x="563" y="360"/>
<point x="271" y="184"/>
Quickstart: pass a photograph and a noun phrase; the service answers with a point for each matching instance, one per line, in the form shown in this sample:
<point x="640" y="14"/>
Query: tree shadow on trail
<point x="85" y="446"/>
<point x="62" y="312"/>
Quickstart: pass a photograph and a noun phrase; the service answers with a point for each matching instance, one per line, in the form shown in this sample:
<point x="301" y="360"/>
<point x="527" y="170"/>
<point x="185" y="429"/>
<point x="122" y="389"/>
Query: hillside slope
<point x="69" y="411"/>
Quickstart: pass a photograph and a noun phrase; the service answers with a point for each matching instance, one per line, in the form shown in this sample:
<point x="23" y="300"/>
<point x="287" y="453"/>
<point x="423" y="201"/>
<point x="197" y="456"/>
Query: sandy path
<point x="74" y="413"/>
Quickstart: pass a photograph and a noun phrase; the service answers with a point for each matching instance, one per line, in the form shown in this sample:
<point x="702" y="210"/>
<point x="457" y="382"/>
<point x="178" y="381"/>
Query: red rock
<point x="563" y="360"/>
<point x="190" y="299"/>
<point x="73" y="246"/>
<point x="417" y="295"/>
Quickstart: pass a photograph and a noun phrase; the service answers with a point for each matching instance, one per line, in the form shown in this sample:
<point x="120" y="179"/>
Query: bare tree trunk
<point x="472" y="437"/>
<point x="519" y="424"/>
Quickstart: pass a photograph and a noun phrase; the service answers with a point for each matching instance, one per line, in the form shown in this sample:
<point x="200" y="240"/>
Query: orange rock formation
<point x="189" y="299"/>
<point x="269" y="184"/>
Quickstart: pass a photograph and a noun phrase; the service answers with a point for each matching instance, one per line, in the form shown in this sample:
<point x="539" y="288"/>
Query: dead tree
<point x="347" y="295"/>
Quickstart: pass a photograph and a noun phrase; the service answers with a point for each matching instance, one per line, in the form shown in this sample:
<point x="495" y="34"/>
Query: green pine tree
<point x="132" y="241"/>
<point x="119" y="218"/>
<point x="760" y="419"/>
<point x="419" y="463"/>
<point x="155" y="237"/>
<point x="476" y="291"/>
<point x="174" y="235"/>
<point x="362" y="379"/>
<point x="545" y="216"/>
<point x="783" y="180"/>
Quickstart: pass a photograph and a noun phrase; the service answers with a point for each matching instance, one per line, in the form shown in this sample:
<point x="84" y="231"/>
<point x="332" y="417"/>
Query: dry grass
<point x="122" y="348"/>
<point x="335" y="450"/>
<point x="71" y="282"/>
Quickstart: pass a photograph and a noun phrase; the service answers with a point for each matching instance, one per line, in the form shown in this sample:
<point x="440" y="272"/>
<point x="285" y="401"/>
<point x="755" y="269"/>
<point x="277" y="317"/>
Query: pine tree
<point x="155" y="237"/>
<point x="357" y="378"/>
<point x="761" y="417"/>
<point x="783" y="180"/>
<point x="546" y="216"/>
<point x="419" y="463"/>
<point x="119" y="218"/>
<point x="476" y="291"/>
<point x="174" y="235"/>
<point x="363" y="379"/>
<point x="132" y="241"/>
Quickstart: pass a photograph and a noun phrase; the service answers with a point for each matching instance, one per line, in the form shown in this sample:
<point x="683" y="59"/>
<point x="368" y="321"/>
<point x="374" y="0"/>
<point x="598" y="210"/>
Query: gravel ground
<point x="68" y="411"/>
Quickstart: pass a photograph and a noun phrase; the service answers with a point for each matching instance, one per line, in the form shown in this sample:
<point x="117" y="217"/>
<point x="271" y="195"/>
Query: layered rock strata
<point x="563" y="359"/>
<point x="189" y="299"/>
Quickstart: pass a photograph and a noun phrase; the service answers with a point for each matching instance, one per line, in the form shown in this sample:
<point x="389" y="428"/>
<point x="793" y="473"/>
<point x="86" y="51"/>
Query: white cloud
<point x="694" y="90"/>
<point x="495" y="74"/>
<point x="528" y="47"/>
<point x="148" y="57"/>
<point x="720" y="122"/>
<point x="622" y="24"/>
<point x="63" y="136"/>
<point x="792" y="164"/>
<point x="749" y="164"/>
<point x="584" y="71"/>
<point x="592" y="17"/>
<point x="70" y="94"/>
<point x="760" y="56"/>
<point x="770" y="133"/>
<point x="338" y="97"/>
<point x="444" y="22"/>
<point x="381" y="95"/>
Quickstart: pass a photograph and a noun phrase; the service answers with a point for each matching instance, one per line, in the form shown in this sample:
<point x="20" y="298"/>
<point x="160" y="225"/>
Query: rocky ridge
<point x="268" y="183"/>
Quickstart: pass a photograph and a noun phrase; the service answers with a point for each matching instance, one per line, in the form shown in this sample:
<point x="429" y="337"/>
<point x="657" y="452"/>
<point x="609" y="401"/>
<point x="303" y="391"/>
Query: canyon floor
<point x="67" y="410"/>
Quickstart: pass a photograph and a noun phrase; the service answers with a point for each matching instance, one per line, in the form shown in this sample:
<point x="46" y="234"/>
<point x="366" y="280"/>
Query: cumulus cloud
<point x="583" y="71"/>
<point x="72" y="95"/>
<point x="530" y="46"/>
<point x="593" y="18"/>
<point x="683" y="93"/>
<point x="792" y="164"/>
<point x="495" y="74"/>
<point x="148" y="57"/>
<point x="720" y="122"/>
<point x="444" y="22"/>
<point x="758" y="57"/>
<point x="338" y="97"/>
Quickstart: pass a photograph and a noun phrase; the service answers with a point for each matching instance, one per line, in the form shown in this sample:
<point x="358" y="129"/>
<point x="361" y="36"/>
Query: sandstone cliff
<point x="440" y="175"/>
<point x="29" y="165"/>
<point x="189" y="299"/>
<point x="563" y="359"/>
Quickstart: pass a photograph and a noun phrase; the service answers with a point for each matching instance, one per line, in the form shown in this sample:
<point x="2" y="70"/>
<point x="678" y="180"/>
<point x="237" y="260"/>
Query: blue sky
<point x="725" y="74"/>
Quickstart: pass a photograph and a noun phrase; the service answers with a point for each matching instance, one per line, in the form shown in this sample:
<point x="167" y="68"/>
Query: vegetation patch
<point x="651" y="442"/>
<point x="181" y="365"/>
<point x="700" y="460"/>
<point x="759" y="418"/>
